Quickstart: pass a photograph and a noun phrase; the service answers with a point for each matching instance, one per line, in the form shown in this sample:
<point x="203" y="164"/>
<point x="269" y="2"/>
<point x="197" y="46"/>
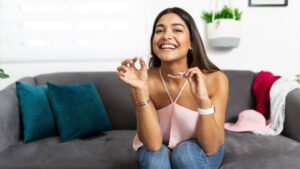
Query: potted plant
<point x="223" y="27"/>
<point x="298" y="78"/>
<point x="3" y="75"/>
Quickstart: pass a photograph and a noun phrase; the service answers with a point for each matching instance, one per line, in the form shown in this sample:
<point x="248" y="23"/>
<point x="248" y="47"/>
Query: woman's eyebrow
<point x="160" y="25"/>
<point x="178" y="24"/>
<point x="174" y="24"/>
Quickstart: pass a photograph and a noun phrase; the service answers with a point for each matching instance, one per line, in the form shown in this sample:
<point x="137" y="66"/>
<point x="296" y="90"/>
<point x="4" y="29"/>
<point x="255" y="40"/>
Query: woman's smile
<point x="167" y="45"/>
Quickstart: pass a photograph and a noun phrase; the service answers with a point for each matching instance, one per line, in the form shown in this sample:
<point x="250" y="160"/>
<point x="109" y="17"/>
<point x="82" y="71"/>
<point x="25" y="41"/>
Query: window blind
<point x="70" y="29"/>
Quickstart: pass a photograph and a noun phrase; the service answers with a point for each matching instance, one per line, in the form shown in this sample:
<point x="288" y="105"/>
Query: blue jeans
<point x="186" y="155"/>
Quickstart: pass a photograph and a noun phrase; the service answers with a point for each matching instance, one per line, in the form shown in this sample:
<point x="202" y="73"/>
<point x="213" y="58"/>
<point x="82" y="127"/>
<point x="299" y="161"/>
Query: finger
<point x="128" y="62"/>
<point x="193" y="72"/>
<point x="143" y="64"/>
<point x="122" y="68"/>
<point x="188" y="72"/>
<point x="135" y="59"/>
<point x="185" y="73"/>
<point x="197" y="70"/>
<point x="199" y="74"/>
<point x="134" y="62"/>
<point x="191" y="82"/>
<point x="123" y="74"/>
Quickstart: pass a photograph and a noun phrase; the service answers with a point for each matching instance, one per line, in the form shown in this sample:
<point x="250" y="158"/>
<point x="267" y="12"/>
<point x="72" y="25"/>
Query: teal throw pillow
<point x="78" y="110"/>
<point x="37" y="116"/>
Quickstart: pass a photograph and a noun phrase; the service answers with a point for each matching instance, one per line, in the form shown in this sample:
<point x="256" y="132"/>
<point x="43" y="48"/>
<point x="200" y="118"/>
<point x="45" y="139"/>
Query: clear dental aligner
<point x="176" y="76"/>
<point x="147" y="57"/>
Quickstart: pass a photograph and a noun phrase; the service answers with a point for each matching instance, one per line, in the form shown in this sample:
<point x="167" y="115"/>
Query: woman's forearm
<point x="209" y="135"/>
<point x="147" y="120"/>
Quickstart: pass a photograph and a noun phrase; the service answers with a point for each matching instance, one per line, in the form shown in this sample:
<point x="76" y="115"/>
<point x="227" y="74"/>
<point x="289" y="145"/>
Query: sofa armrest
<point x="10" y="115"/>
<point x="9" y="118"/>
<point x="292" y="115"/>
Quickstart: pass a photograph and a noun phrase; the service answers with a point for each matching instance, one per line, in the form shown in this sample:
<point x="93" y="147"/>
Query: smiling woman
<point x="180" y="100"/>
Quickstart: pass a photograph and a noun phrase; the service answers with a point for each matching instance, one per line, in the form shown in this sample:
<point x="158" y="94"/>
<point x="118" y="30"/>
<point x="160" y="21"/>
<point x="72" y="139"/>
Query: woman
<point x="180" y="100"/>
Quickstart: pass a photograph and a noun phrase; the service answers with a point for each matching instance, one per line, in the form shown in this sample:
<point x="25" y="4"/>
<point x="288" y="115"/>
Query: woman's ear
<point x="191" y="46"/>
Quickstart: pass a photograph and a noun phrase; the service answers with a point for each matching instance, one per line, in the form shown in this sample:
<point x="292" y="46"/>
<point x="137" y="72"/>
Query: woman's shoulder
<point x="217" y="81"/>
<point x="217" y="76"/>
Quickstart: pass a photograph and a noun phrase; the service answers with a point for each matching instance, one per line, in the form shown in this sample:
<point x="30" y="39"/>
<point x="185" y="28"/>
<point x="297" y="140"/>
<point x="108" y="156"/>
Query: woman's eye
<point x="158" y="31"/>
<point x="178" y="30"/>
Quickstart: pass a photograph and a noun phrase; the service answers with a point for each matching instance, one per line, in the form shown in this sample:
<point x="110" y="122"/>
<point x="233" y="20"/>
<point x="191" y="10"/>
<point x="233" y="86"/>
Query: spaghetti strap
<point x="180" y="91"/>
<point x="162" y="79"/>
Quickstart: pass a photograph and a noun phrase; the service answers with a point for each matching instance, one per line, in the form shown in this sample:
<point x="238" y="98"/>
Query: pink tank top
<point x="176" y="122"/>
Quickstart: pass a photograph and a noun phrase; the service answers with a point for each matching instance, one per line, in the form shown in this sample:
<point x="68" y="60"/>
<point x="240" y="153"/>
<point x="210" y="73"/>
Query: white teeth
<point x="168" y="47"/>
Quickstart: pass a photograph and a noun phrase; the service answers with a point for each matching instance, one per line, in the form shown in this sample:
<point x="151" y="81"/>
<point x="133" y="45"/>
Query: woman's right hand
<point x="136" y="78"/>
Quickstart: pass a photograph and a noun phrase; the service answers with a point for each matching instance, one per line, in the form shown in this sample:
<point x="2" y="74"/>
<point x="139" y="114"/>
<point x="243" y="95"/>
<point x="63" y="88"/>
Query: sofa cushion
<point x="112" y="150"/>
<point x="246" y="150"/>
<point x="78" y="109"/>
<point x="37" y="116"/>
<point x="114" y="93"/>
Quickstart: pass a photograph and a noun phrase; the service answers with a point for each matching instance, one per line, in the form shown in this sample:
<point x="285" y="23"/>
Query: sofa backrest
<point x="116" y="95"/>
<point x="240" y="96"/>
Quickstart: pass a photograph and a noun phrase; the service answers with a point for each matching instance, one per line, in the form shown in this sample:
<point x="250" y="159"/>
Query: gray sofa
<point x="113" y="149"/>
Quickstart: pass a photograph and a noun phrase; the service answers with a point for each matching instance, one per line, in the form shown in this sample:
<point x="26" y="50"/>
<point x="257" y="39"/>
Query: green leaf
<point x="3" y="75"/>
<point x="225" y="13"/>
<point x="207" y="16"/>
<point x="298" y="78"/>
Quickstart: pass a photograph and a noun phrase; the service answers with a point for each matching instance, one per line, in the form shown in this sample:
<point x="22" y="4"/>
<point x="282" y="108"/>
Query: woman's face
<point x="171" y="39"/>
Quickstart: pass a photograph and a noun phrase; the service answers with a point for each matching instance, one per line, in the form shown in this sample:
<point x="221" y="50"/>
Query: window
<point x="70" y="29"/>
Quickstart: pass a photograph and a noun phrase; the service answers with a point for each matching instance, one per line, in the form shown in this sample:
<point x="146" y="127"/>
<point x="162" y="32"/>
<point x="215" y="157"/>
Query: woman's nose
<point x="167" y="35"/>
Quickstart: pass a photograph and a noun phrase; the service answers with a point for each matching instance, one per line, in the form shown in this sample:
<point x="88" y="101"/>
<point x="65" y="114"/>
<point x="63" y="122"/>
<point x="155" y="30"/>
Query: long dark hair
<point x="198" y="55"/>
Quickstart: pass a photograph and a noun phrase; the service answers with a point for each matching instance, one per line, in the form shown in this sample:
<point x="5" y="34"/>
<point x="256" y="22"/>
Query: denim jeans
<point x="186" y="155"/>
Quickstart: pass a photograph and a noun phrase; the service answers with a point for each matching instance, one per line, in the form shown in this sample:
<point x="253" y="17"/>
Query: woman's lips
<point x="167" y="46"/>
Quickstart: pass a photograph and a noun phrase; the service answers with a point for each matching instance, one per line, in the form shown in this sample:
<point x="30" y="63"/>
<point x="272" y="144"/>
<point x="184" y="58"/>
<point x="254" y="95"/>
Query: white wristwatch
<point x="208" y="111"/>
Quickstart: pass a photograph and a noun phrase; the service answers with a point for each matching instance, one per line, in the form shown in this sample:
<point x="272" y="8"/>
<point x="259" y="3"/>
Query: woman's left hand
<point x="197" y="81"/>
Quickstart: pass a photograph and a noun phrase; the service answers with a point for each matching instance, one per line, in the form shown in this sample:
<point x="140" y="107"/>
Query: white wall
<point x="270" y="41"/>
